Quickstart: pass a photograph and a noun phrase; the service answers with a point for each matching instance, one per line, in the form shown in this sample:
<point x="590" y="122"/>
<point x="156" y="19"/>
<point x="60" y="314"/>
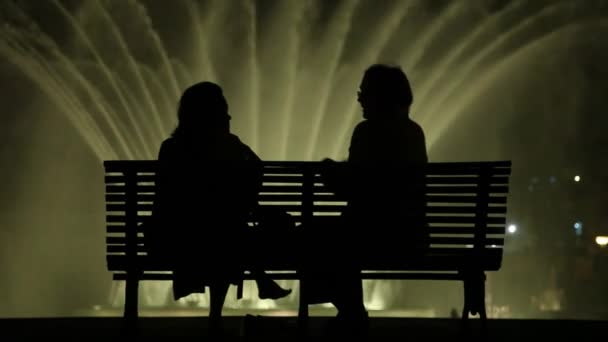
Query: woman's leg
<point x="350" y="305"/>
<point x="352" y="318"/>
<point x="267" y="287"/>
<point x="348" y="297"/>
<point x="217" y="294"/>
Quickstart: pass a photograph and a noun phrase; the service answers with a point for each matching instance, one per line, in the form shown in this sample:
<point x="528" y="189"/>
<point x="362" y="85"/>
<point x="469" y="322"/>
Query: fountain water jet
<point x="430" y="83"/>
<point x="504" y="66"/>
<point x="39" y="69"/>
<point x="108" y="74"/>
<point x="254" y="103"/>
<point x="279" y="65"/>
<point x="338" y="28"/>
<point x="525" y="30"/>
<point x="123" y="48"/>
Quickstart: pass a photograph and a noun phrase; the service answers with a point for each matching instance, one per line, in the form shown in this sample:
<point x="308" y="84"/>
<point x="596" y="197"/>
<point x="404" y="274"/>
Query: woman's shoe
<point x="272" y="290"/>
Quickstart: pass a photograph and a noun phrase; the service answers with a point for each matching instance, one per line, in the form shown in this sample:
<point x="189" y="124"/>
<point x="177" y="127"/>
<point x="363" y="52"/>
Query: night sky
<point x="87" y="81"/>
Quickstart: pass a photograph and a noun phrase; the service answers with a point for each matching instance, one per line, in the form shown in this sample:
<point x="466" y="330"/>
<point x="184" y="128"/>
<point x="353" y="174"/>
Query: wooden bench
<point x="465" y="213"/>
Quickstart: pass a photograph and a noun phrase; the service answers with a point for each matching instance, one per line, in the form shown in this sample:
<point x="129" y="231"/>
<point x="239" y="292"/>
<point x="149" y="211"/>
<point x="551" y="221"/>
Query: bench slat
<point x="121" y="241"/>
<point x="457" y="189"/>
<point x="489" y="259"/>
<point x="433" y="169"/>
<point x="464" y="230"/>
<point x="461" y="230"/>
<point x="497" y="180"/>
<point x="297" y="179"/>
<point x="151" y="165"/>
<point x="463" y="199"/>
<point x="460" y="190"/>
<point x="465" y="241"/>
<point x="332" y="208"/>
<point x="463" y="210"/>
<point x="294" y="276"/>
<point x="121" y="179"/>
<point x="436" y="243"/>
<point x="331" y="198"/>
<point x="122" y="197"/>
<point x="428" y="209"/>
<point x="429" y="219"/>
<point x="442" y="167"/>
<point x="493" y="189"/>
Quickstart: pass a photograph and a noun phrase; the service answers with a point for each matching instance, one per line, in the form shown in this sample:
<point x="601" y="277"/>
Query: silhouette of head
<point x="384" y="92"/>
<point x="202" y="109"/>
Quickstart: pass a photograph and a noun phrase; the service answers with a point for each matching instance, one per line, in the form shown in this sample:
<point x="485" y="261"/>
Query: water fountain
<point x="290" y="69"/>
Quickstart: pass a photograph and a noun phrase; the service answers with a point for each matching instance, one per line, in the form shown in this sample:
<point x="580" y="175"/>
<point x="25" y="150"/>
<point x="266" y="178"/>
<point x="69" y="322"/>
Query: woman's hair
<point x="389" y="84"/>
<point x="199" y="104"/>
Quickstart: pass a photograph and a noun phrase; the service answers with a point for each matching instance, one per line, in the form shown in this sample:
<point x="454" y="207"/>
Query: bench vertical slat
<point x="481" y="208"/>
<point x="474" y="277"/>
<point x="132" y="282"/>
<point x="307" y="214"/>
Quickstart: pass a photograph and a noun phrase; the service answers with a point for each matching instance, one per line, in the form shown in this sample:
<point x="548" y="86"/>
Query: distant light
<point x="577" y="178"/>
<point x="578" y="228"/>
<point x="512" y="229"/>
<point x="602" y="241"/>
<point x="493" y="246"/>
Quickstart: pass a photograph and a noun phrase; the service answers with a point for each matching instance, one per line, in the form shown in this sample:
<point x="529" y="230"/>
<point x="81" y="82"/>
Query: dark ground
<point x="285" y="329"/>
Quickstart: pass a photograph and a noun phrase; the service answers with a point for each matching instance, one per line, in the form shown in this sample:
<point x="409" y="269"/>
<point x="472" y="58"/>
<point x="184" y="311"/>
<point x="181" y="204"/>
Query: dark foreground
<point x="285" y="329"/>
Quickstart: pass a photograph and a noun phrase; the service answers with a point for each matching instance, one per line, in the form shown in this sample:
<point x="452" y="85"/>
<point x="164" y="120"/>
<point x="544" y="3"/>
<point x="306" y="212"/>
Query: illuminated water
<point x="290" y="70"/>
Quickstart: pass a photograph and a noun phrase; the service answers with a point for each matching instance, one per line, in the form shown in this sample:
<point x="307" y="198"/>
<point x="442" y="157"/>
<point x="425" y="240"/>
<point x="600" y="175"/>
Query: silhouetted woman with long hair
<point x="207" y="186"/>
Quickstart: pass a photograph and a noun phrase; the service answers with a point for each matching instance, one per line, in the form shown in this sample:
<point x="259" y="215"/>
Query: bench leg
<point x="474" y="299"/>
<point x="303" y="305"/>
<point x="131" y="303"/>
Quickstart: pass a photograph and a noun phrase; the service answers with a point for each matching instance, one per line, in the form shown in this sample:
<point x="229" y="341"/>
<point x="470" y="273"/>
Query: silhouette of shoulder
<point x="167" y="148"/>
<point x="359" y="150"/>
<point x="228" y="147"/>
<point x="419" y="141"/>
<point x="400" y="140"/>
<point x="245" y="151"/>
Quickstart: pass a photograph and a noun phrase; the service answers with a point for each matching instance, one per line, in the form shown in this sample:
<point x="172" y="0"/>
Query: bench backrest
<point x="465" y="211"/>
